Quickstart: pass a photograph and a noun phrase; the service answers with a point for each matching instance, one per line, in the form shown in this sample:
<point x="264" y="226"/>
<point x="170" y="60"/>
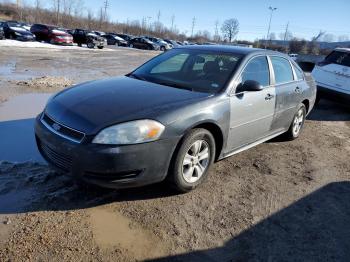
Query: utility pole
<point x="172" y="23"/>
<point x="216" y="34"/>
<point x="19" y="9"/>
<point x="193" y="25"/>
<point x="272" y="9"/>
<point x="285" y="36"/>
<point x="158" y="16"/>
<point x="106" y="5"/>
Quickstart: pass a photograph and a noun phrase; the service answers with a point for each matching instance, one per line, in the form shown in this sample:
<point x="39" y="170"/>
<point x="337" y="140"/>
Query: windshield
<point x="196" y="70"/>
<point x="13" y="24"/>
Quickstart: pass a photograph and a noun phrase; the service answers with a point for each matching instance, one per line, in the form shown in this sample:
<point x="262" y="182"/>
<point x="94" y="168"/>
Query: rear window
<point x="339" y="58"/>
<point x="299" y="73"/>
<point x="283" y="70"/>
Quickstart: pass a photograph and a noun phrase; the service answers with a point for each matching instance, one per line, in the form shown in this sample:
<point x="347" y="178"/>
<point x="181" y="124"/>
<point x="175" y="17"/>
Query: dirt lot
<point x="280" y="201"/>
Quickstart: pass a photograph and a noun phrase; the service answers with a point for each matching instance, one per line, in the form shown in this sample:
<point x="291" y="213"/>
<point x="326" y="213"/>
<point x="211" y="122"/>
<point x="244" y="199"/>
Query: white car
<point x="333" y="76"/>
<point x="294" y="56"/>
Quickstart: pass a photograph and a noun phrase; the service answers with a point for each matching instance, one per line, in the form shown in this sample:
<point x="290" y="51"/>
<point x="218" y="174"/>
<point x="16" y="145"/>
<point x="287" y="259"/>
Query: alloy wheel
<point x="298" y="122"/>
<point x="196" y="161"/>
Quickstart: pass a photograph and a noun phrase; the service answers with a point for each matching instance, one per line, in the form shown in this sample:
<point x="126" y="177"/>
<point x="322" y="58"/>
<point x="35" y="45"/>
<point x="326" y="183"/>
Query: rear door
<point x="252" y="112"/>
<point x="334" y="71"/>
<point x="288" y="92"/>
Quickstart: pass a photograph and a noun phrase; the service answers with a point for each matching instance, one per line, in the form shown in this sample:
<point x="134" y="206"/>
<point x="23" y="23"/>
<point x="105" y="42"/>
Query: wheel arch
<point x="306" y="103"/>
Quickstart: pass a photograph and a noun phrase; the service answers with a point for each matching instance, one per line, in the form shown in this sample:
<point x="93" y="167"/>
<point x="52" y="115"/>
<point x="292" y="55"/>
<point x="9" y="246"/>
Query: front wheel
<point x="90" y="45"/>
<point x="192" y="160"/>
<point x="297" y="123"/>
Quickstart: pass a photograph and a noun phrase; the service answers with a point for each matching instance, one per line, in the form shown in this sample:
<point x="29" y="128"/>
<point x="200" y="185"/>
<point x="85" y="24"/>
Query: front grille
<point x="62" y="130"/>
<point x="62" y="161"/>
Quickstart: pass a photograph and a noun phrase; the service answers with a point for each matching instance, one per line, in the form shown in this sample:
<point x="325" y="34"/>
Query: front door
<point x="252" y="112"/>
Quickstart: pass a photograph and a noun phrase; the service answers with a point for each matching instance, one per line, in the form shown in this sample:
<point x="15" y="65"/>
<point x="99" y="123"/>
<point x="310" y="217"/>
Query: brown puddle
<point x="113" y="230"/>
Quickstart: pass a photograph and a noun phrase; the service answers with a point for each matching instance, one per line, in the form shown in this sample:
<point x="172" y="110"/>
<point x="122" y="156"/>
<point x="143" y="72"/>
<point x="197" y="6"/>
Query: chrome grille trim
<point x="58" y="133"/>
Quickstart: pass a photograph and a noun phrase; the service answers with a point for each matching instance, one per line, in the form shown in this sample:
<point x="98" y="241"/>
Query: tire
<point x="162" y="48"/>
<point x="131" y="46"/>
<point x="100" y="47"/>
<point x="79" y="44"/>
<point x="185" y="174"/>
<point x="297" y="123"/>
<point x="318" y="99"/>
<point x="90" y="45"/>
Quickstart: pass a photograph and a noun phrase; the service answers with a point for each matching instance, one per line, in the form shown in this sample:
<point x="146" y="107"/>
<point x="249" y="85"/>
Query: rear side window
<point x="339" y="58"/>
<point x="257" y="70"/>
<point x="299" y="73"/>
<point x="283" y="70"/>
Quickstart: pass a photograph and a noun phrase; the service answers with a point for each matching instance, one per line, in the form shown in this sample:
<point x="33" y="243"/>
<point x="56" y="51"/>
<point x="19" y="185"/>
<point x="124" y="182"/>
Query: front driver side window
<point x="257" y="69"/>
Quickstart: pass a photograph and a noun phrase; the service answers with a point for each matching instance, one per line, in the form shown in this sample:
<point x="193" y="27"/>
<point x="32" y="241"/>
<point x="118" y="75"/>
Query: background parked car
<point x="172" y="42"/>
<point x="81" y="36"/>
<point x="126" y="37"/>
<point x="14" y="30"/>
<point x="115" y="40"/>
<point x="143" y="43"/>
<point x="163" y="46"/>
<point x="2" y="34"/>
<point x="51" y="34"/>
<point x="333" y="76"/>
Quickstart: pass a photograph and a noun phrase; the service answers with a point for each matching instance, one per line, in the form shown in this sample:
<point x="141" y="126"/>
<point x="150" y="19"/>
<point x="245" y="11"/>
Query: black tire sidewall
<point x="175" y="174"/>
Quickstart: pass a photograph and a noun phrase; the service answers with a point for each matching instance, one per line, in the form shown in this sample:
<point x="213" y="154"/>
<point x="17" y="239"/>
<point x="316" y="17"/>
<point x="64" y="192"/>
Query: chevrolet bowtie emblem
<point x="57" y="127"/>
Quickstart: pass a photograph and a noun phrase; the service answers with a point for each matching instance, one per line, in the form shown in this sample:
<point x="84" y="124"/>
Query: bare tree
<point x="230" y="28"/>
<point x="272" y="36"/>
<point x="57" y="9"/>
<point x="328" y="38"/>
<point x="343" y="38"/>
<point x="318" y="36"/>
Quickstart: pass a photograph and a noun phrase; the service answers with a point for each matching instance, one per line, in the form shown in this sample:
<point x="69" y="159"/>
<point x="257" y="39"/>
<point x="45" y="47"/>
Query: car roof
<point x="231" y="49"/>
<point x="343" y="49"/>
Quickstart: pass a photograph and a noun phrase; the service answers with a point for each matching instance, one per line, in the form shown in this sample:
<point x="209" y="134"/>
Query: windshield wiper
<point x="175" y="85"/>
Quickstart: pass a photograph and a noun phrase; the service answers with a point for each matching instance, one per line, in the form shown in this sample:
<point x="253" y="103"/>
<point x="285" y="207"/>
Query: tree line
<point x="71" y="14"/>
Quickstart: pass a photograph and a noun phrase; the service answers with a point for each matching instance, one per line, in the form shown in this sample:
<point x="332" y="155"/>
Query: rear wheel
<point x="297" y="123"/>
<point x="131" y="46"/>
<point x="162" y="48"/>
<point x="192" y="161"/>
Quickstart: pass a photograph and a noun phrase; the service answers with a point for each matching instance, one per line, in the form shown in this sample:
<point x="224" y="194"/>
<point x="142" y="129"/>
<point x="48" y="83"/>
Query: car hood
<point x="91" y="106"/>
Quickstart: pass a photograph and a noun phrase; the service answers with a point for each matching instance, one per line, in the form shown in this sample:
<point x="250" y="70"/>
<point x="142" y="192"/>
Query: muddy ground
<point x="280" y="201"/>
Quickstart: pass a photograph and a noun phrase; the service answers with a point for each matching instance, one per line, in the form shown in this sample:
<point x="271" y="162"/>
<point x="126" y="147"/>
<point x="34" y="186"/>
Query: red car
<point x="51" y="34"/>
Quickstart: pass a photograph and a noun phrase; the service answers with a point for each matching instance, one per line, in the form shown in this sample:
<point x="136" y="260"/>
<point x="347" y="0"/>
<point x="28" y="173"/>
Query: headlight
<point x="134" y="132"/>
<point x="18" y="34"/>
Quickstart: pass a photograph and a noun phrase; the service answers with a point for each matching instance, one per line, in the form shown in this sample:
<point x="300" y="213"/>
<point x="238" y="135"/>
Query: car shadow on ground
<point x="329" y="111"/>
<point x="315" y="228"/>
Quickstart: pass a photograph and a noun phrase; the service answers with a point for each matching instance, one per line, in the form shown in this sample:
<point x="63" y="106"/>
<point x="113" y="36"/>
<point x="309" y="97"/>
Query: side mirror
<point x="249" y="86"/>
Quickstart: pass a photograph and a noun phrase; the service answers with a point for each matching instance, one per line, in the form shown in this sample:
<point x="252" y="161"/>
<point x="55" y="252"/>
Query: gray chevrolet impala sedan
<point x="174" y="116"/>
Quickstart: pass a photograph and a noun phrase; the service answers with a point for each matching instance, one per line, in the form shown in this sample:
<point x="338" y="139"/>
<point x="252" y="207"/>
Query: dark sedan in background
<point x="143" y="43"/>
<point x="14" y="30"/>
<point x="174" y="116"/>
<point x="113" y="39"/>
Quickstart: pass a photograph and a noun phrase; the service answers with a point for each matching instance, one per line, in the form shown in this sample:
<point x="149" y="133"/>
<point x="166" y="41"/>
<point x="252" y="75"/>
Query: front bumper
<point x="334" y="95"/>
<point x="107" y="165"/>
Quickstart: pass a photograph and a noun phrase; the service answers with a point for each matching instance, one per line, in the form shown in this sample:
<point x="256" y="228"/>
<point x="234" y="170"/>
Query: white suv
<point x="333" y="75"/>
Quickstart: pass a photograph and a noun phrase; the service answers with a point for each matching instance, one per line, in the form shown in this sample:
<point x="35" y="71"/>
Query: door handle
<point x="297" y="90"/>
<point x="269" y="97"/>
